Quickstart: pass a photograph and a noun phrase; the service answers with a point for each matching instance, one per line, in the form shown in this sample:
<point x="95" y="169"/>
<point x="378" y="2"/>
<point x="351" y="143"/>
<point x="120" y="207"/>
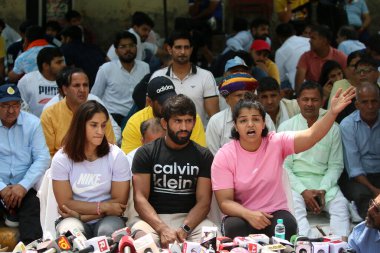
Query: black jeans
<point x="29" y="217"/>
<point x="235" y="226"/>
<point x="359" y="193"/>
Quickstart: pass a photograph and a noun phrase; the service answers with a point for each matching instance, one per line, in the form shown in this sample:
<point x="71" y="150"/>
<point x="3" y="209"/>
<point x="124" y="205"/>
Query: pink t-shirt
<point x="256" y="177"/>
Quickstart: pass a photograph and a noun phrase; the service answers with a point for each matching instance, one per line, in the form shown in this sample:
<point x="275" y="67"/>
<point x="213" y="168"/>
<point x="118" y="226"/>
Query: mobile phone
<point x="319" y="200"/>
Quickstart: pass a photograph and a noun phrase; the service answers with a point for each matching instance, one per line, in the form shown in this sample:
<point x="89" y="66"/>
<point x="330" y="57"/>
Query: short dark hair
<point x="54" y="25"/>
<point x="64" y="77"/>
<point x="268" y="84"/>
<point x="124" y="35"/>
<point x="310" y="85"/>
<point x="34" y="32"/>
<point x="250" y="103"/>
<point x="72" y="14"/>
<point x="348" y="32"/>
<point x="74" y="32"/>
<point x="179" y="34"/>
<point x="75" y="139"/>
<point x="327" y="67"/>
<point x="259" y="22"/>
<point x="178" y="105"/>
<point x="323" y="31"/>
<point x="367" y="60"/>
<point x="353" y="55"/>
<point x="24" y="25"/>
<point x="285" y="30"/>
<point x="46" y="55"/>
<point x="140" y="18"/>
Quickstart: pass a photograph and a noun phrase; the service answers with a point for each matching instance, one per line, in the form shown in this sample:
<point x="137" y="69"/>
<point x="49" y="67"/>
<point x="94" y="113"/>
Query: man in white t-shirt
<point x="188" y="79"/>
<point x="38" y="87"/>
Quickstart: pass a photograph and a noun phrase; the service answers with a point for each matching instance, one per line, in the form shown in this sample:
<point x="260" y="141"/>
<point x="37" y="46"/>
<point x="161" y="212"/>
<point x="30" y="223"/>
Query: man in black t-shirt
<point x="171" y="179"/>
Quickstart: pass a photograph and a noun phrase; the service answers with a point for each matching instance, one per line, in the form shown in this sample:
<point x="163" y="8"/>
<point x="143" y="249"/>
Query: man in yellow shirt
<point x="56" y="119"/>
<point x="159" y="90"/>
<point x="260" y="50"/>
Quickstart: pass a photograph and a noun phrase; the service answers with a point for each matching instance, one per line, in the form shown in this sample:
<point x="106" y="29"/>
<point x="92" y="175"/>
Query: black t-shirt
<point x="174" y="174"/>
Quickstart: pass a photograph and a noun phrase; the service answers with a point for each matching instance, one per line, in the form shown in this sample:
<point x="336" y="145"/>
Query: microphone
<point x="118" y="234"/>
<point x="77" y="238"/>
<point x="96" y="244"/>
<point x="126" y="245"/>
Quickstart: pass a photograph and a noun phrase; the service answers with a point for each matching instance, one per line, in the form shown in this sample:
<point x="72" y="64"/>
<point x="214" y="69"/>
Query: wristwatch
<point x="186" y="228"/>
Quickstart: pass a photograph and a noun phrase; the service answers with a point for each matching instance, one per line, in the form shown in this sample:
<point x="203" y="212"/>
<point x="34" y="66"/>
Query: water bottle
<point x="279" y="229"/>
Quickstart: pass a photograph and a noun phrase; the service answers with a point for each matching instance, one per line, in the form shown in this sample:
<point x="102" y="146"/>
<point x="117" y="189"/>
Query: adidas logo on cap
<point x="164" y="88"/>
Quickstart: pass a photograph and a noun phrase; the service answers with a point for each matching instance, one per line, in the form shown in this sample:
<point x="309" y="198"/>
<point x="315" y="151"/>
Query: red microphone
<point x="126" y="245"/>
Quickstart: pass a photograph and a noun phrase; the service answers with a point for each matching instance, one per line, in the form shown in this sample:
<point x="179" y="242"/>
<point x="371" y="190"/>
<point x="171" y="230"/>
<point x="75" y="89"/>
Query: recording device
<point x="77" y="238"/>
<point x="145" y="244"/>
<point x="118" y="234"/>
<point x="126" y="245"/>
<point x="96" y="244"/>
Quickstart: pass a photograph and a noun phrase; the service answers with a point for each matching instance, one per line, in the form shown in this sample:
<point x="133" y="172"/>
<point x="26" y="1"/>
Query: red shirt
<point x="313" y="63"/>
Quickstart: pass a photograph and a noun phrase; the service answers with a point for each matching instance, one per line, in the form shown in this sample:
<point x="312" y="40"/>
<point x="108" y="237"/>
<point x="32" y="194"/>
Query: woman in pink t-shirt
<point x="247" y="172"/>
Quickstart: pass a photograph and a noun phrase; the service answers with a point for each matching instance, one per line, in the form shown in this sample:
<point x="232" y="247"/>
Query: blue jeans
<point x="105" y="226"/>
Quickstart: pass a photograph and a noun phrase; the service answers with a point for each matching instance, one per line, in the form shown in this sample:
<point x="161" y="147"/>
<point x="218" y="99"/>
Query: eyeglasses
<point x="372" y="203"/>
<point x="364" y="71"/>
<point x="7" y="107"/>
<point x="127" y="46"/>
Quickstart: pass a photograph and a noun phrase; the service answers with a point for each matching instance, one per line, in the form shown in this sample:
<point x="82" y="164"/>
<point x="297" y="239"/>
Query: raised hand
<point x="341" y="100"/>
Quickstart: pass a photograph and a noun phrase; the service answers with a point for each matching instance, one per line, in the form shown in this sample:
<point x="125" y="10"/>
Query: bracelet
<point x="98" y="208"/>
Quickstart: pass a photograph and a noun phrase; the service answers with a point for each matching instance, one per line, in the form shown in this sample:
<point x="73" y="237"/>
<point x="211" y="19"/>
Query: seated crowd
<point x="278" y="134"/>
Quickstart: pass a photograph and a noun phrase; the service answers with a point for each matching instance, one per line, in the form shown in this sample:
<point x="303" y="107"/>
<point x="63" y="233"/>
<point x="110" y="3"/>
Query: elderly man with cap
<point x="24" y="157"/>
<point x="260" y="50"/>
<point x="232" y="88"/>
<point x="159" y="90"/>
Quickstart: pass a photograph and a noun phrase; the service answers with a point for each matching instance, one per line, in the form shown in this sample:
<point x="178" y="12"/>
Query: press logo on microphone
<point x="164" y="88"/>
<point x="103" y="245"/>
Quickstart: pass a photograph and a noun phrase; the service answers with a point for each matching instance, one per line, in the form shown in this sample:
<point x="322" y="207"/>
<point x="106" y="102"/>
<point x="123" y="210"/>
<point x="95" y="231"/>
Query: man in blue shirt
<point x="361" y="140"/>
<point x="366" y="236"/>
<point x="24" y="157"/>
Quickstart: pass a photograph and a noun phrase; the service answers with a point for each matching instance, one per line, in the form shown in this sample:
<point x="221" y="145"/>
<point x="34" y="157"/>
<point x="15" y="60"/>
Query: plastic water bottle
<point x="279" y="229"/>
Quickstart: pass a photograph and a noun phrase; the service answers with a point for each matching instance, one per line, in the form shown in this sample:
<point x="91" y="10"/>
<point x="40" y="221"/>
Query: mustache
<point x="183" y="131"/>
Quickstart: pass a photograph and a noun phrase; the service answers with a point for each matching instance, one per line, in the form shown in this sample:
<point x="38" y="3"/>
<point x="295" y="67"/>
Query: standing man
<point x="190" y="80"/>
<point x="38" y="87"/>
<point x="24" y="159"/>
<point x="361" y="135"/>
<point x="314" y="173"/>
<point x="310" y="64"/>
<point x="171" y="179"/>
<point x="116" y="80"/>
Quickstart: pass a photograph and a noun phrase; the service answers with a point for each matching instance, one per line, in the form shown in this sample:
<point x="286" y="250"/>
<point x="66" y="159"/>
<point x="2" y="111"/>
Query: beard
<point x="129" y="58"/>
<point x="179" y="140"/>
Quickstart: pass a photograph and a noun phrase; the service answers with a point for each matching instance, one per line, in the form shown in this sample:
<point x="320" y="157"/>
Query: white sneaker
<point x="355" y="217"/>
<point x="11" y="221"/>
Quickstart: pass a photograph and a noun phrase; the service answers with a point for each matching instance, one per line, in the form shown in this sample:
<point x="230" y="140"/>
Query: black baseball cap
<point x="160" y="88"/>
<point x="9" y="92"/>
